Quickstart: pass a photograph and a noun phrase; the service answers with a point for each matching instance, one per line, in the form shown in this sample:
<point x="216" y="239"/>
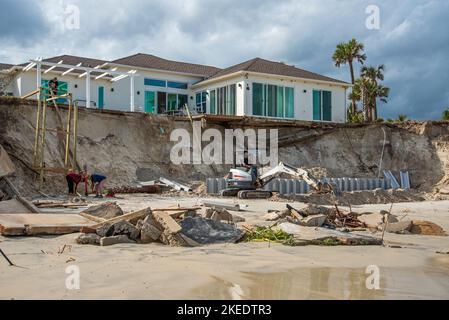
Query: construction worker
<point x="53" y="86"/>
<point x="73" y="179"/>
<point x="98" y="181"/>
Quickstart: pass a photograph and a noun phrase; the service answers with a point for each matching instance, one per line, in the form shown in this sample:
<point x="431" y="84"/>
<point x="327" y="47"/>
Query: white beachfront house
<point x="146" y="83"/>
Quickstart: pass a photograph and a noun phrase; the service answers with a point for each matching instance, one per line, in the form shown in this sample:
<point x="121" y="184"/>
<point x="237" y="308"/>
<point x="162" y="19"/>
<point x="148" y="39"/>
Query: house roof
<point x="5" y="66"/>
<point x="152" y="62"/>
<point x="260" y="65"/>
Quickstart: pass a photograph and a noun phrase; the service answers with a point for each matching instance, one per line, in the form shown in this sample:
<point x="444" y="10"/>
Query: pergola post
<point x="132" y="102"/>
<point x="88" y="89"/>
<point x="38" y="75"/>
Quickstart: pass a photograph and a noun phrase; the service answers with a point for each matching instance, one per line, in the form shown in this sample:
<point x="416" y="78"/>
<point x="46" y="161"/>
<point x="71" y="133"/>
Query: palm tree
<point x="347" y="53"/>
<point x="368" y="92"/>
<point x="402" y="117"/>
<point x="373" y="74"/>
<point x="445" y="115"/>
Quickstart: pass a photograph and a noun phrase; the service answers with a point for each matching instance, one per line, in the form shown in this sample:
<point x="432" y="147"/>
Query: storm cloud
<point x="412" y="41"/>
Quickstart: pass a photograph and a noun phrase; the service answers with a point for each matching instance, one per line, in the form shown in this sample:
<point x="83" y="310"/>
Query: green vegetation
<point x="347" y="53"/>
<point x="367" y="88"/>
<point x="266" y="234"/>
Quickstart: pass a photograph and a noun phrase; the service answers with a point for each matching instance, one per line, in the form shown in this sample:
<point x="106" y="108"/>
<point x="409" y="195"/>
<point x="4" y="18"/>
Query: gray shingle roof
<point x="152" y="62"/>
<point x="260" y="65"/>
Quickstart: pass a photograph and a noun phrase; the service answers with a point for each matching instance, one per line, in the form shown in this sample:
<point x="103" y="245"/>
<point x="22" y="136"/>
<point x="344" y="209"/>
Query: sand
<point x="409" y="266"/>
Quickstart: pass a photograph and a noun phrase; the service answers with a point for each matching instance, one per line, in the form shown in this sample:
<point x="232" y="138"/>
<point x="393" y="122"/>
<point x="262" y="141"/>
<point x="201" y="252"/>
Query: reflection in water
<point x="333" y="283"/>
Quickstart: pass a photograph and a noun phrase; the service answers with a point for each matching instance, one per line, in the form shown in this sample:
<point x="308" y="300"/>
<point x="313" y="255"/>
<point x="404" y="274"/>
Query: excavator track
<point x="254" y="194"/>
<point x="229" y="192"/>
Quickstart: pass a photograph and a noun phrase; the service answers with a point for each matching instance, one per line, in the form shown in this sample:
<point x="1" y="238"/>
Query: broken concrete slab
<point x="371" y="220"/>
<point x="103" y="230"/>
<point x="398" y="227"/>
<point x="124" y="228"/>
<point x="167" y="222"/>
<point x="308" y="235"/>
<point x="207" y="231"/>
<point x="313" y="209"/>
<point x="89" y="238"/>
<point x="109" y="241"/>
<point x="221" y="205"/>
<point x="313" y="220"/>
<point x="106" y="211"/>
<point x="427" y="228"/>
<point x="273" y="216"/>
<point x="148" y="232"/>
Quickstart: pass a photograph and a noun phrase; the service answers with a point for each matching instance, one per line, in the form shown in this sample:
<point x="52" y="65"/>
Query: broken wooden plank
<point x="91" y="217"/>
<point x="36" y="224"/>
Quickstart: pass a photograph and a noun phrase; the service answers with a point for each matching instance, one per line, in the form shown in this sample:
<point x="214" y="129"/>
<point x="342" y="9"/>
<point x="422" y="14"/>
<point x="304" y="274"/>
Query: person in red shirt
<point x="73" y="179"/>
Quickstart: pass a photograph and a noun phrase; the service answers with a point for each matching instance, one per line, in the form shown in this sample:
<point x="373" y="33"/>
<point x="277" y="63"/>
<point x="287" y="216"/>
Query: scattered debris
<point x="220" y="205"/>
<point x="219" y="214"/>
<point x="400" y="227"/>
<point x="175" y="185"/>
<point x="377" y="196"/>
<point x="133" y="189"/>
<point x="74" y="203"/>
<point x="427" y="228"/>
<point x="273" y="216"/>
<point x="109" y="241"/>
<point x="89" y="238"/>
<point x="103" y="211"/>
<point x="207" y="231"/>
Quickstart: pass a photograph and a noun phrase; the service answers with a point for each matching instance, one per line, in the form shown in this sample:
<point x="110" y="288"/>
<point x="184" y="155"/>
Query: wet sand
<point x="232" y="271"/>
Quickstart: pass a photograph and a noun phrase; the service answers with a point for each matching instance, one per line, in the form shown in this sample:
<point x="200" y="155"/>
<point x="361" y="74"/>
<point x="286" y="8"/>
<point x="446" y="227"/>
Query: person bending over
<point x="74" y="179"/>
<point x="98" y="181"/>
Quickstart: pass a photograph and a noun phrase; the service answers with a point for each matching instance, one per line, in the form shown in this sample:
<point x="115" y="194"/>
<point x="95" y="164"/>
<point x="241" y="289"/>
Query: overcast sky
<point x="412" y="41"/>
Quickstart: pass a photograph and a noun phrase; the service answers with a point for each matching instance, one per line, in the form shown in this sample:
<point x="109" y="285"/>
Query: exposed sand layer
<point x="409" y="266"/>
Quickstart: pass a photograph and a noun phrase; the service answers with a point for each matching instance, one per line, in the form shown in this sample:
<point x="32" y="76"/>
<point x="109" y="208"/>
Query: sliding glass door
<point x="273" y="101"/>
<point x="322" y="105"/>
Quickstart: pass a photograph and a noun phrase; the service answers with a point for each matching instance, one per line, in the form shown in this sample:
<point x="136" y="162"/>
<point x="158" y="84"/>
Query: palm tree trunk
<point x="375" y="110"/>
<point x="351" y="69"/>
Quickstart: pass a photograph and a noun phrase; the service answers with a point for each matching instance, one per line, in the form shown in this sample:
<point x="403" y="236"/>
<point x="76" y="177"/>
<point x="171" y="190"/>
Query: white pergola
<point x="87" y="72"/>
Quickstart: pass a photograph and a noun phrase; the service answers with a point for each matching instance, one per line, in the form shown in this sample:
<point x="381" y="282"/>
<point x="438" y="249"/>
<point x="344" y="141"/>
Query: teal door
<point x="316" y="105"/>
<point x="100" y="97"/>
<point x="327" y="106"/>
<point x="150" y="101"/>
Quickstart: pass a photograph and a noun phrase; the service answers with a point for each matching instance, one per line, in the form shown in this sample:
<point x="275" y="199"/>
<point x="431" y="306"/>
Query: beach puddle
<point x="429" y="282"/>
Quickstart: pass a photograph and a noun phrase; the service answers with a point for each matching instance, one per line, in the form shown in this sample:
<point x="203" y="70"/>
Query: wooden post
<point x="67" y="140"/>
<point x="42" y="151"/>
<point x="75" y="132"/>
<point x="37" y="133"/>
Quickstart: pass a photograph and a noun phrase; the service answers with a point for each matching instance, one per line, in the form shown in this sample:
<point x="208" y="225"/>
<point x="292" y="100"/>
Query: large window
<point x="166" y="102"/>
<point x="177" y="85"/>
<point x="224" y="100"/>
<point x="201" y="101"/>
<point x="273" y="101"/>
<point x="322" y="105"/>
<point x="155" y="82"/>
